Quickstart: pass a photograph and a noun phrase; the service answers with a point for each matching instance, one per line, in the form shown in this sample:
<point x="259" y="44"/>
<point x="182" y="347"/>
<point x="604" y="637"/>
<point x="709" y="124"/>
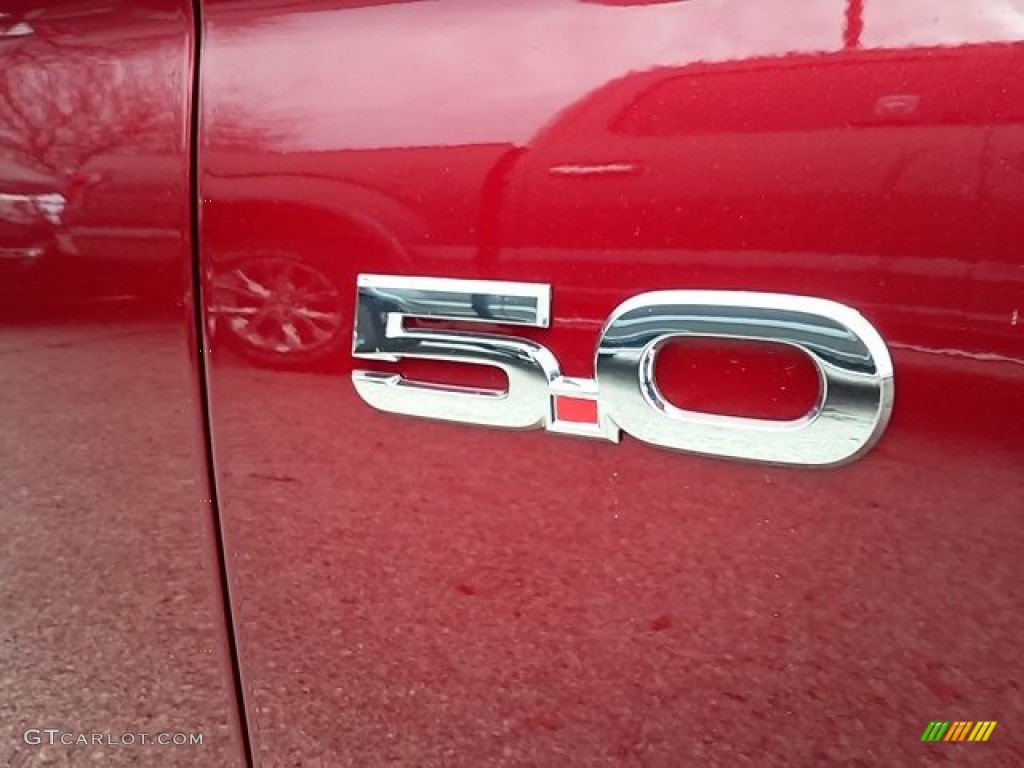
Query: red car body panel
<point x="111" y="604"/>
<point x="417" y="593"/>
<point x="402" y="591"/>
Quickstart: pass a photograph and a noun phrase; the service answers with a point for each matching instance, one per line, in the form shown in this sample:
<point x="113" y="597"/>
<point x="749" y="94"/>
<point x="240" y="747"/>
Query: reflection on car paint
<point x="426" y="593"/>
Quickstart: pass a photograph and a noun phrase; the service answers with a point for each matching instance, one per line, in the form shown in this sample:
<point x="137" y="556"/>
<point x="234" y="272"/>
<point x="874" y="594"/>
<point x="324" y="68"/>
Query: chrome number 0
<point x="855" y="371"/>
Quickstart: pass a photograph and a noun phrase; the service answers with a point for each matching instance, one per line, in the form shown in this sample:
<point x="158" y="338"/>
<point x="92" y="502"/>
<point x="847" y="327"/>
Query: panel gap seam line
<point x="203" y="343"/>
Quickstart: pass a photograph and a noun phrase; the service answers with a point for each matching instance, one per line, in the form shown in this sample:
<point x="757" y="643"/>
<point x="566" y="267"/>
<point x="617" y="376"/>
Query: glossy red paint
<point x="111" y="618"/>
<point x="420" y="593"/>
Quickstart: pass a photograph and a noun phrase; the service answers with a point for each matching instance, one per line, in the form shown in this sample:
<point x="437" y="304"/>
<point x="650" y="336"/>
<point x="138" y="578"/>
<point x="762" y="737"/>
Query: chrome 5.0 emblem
<point x="855" y="370"/>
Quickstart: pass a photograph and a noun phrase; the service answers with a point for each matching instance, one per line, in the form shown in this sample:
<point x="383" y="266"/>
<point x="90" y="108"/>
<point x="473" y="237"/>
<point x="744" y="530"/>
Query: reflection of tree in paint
<point x="93" y="163"/>
<point x="63" y="103"/>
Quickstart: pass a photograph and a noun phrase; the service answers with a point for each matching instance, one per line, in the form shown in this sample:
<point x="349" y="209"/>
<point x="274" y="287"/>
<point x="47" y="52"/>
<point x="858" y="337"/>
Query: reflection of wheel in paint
<point x="277" y="309"/>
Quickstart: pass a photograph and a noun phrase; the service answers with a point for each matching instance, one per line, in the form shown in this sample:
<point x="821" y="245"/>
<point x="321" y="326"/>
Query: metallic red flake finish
<point x="409" y="592"/>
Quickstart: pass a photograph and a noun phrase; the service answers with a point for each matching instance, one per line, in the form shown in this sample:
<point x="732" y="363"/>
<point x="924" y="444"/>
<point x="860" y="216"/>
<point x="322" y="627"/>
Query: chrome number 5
<point x="854" y="368"/>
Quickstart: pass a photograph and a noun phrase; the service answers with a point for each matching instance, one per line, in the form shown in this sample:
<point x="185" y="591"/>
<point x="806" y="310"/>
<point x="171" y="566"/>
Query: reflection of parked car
<point x="278" y="308"/>
<point x="824" y="164"/>
<point x="31" y="209"/>
<point x="99" y="228"/>
<point x="678" y="160"/>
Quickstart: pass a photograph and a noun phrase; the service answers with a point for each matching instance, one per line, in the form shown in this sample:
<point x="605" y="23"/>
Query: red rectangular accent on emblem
<point x="575" y="409"/>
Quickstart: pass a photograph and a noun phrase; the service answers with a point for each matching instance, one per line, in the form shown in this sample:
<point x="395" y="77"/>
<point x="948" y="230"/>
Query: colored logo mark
<point x="960" y="730"/>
